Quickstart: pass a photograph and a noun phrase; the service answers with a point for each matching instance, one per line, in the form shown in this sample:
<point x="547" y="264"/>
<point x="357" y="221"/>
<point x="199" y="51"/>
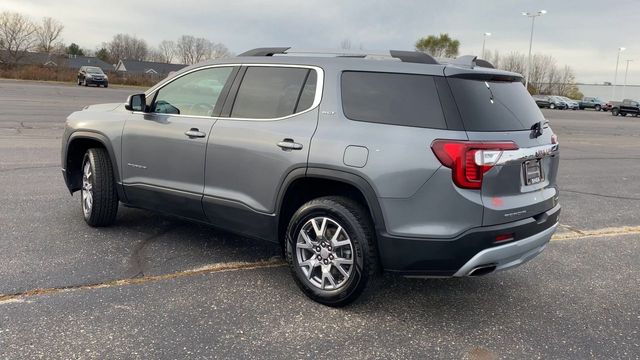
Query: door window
<point x="194" y="94"/>
<point x="272" y="92"/>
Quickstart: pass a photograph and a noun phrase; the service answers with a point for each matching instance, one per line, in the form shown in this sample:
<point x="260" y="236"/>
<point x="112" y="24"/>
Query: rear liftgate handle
<point x="288" y="145"/>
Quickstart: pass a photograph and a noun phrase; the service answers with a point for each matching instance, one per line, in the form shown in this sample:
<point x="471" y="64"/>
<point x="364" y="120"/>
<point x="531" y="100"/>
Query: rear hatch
<point x="520" y="178"/>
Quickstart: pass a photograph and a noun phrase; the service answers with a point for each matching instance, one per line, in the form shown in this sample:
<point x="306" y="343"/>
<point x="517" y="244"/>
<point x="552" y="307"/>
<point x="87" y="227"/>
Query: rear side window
<point x="390" y="98"/>
<point x="271" y="92"/>
<point x="494" y="105"/>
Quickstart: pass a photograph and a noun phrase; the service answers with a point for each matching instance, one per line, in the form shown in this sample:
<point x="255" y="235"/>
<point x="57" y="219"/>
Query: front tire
<point x="99" y="198"/>
<point x="330" y="248"/>
<point x="598" y="108"/>
<point x="552" y="106"/>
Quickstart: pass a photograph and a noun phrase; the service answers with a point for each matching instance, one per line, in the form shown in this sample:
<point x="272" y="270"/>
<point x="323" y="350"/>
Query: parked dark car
<point x="542" y="101"/>
<point x="592" y="103"/>
<point x="552" y="102"/>
<point x="627" y="106"/>
<point x="556" y="102"/>
<point x="92" y="75"/>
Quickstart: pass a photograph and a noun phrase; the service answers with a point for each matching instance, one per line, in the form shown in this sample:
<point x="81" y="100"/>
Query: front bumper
<point x="97" y="81"/>
<point x="473" y="248"/>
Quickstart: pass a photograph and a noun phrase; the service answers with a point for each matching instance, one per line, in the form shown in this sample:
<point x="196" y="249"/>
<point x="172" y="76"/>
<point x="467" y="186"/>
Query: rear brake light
<point x="469" y="160"/>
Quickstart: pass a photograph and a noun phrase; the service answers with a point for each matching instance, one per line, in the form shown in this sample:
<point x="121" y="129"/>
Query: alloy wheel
<point x="325" y="254"/>
<point x="87" y="188"/>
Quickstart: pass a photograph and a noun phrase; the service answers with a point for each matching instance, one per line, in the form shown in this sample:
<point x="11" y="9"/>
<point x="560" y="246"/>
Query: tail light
<point x="469" y="160"/>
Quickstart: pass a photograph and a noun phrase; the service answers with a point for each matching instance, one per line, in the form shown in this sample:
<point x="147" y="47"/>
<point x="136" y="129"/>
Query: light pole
<point x="615" y="76"/>
<point x="484" y="40"/>
<point x="626" y="72"/>
<point x="533" y="17"/>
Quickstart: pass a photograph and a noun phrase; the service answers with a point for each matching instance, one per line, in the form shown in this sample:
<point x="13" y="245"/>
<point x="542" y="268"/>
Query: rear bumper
<point x="474" y="248"/>
<point x="509" y="255"/>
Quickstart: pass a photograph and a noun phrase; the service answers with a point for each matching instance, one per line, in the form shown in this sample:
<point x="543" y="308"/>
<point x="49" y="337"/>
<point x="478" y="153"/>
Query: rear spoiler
<point x="470" y="67"/>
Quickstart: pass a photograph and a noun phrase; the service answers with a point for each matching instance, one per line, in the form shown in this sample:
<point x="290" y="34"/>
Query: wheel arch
<point x="77" y="144"/>
<point x="324" y="182"/>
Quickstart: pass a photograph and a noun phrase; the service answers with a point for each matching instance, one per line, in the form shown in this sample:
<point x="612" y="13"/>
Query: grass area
<point x="46" y="73"/>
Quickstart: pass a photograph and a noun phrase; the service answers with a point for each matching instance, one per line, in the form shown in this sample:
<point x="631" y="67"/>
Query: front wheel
<point x="615" y="112"/>
<point x="598" y="108"/>
<point x="330" y="249"/>
<point x="98" y="195"/>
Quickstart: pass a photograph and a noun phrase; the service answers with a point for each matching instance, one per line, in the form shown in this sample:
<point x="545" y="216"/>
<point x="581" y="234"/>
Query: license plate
<point x="532" y="172"/>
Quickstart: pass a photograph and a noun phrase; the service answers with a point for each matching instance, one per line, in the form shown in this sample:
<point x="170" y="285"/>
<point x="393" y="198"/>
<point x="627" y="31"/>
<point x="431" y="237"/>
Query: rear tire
<point x="552" y="106"/>
<point x="99" y="198"/>
<point x="330" y="248"/>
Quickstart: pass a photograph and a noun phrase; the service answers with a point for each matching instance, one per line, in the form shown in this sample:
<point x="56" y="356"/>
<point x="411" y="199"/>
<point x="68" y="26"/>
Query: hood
<point x="102" y="107"/>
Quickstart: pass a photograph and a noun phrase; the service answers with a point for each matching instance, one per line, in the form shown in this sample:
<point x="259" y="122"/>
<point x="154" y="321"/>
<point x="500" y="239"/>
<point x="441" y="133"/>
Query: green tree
<point x="74" y="49"/>
<point x="103" y="54"/>
<point x="438" y="46"/>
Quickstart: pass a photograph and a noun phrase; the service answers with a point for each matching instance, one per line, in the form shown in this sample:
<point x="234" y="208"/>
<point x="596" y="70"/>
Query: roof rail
<point x="413" y="57"/>
<point x="404" y="56"/>
<point x="266" y="51"/>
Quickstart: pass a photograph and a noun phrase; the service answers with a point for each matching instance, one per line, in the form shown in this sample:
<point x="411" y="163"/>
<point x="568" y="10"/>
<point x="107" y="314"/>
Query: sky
<point x="582" y="34"/>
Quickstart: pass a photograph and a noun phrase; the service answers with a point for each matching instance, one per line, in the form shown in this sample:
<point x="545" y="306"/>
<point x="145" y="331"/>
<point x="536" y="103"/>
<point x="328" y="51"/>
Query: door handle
<point x="289" y="144"/>
<point x="194" y="133"/>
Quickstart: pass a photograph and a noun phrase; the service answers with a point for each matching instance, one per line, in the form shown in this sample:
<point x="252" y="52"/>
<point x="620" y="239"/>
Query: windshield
<point x="494" y="105"/>
<point x="94" y="70"/>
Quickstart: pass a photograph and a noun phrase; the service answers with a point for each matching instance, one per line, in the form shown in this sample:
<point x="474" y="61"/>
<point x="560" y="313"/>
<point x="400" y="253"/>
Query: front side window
<point x="272" y="92"/>
<point x="194" y="94"/>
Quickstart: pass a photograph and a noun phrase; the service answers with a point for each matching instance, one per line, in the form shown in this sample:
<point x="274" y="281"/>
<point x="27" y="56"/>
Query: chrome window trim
<point x="316" y="100"/>
<point x="523" y="154"/>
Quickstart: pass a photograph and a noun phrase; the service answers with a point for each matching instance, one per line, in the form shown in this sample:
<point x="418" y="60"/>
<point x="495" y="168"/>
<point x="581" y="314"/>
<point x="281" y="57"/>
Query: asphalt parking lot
<point x="157" y="287"/>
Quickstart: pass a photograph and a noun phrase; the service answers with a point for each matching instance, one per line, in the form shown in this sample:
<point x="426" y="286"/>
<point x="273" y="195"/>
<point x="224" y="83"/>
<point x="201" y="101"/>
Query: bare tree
<point x="167" y="51"/>
<point x="546" y="76"/>
<point x="541" y="65"/>
<point x="48" y="34"/>
<point x="125" y="46"/>
<point x="219" y="51"/>
<point x="345" y="44"/>
<point x="17" y="35"/>
<point x="185" y="47"/>
<point x="515" y="62"/>
<point x="193" y="50"/>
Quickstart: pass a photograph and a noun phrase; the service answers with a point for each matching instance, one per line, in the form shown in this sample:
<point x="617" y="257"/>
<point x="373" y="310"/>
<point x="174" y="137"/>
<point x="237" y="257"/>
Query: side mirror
<point x="137" y="102"/>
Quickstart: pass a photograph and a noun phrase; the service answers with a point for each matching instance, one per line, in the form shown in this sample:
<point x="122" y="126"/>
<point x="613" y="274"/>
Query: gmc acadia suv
<point x="354" y="163"/>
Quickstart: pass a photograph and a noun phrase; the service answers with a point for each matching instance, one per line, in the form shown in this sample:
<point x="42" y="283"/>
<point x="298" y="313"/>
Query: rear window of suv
<point x="391" y="98"/>
<point x="494" y="105"/>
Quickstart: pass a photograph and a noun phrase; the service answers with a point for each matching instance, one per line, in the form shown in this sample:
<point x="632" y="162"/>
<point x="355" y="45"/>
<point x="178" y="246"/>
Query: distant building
<point x="76" y="62"/>
<point x="30" y="58"/>
<point x="146" y="67"/>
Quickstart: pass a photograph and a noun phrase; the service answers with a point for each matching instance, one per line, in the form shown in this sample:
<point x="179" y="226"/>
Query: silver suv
<point x="352" y="162"/>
